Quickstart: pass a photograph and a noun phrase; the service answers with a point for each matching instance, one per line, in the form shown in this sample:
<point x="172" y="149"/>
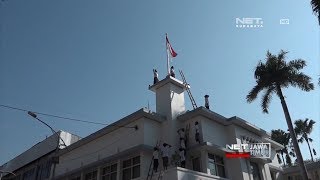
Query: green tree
<point x="282" y="138"/>
<point x="271" y="77"/>
<point x="288" y="160"/>
<point x="303" y="128"/>
<point x="315" y="4"/>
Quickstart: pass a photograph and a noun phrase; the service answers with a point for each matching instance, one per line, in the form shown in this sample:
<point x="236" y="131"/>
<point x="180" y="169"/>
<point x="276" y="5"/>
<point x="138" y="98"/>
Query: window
<point x="216" y="165"/>
<point x="91" y="175"/>
<point x="196" y="164"/>
<point x="109" y="172"/>
<point x="255" y="171"/>
<point x="131" y="168"/>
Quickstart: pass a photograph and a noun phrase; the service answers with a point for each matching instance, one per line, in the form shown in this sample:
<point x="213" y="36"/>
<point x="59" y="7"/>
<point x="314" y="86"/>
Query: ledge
<point x="168" y="79"/>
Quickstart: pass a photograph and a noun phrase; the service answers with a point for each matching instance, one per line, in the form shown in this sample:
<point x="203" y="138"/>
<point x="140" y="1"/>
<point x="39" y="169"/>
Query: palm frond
<point x="303" y="128"/>
<point x="279" y="159"/>
<point x="301" y="140"/>
<point x="299" y="126"/>
<point x="301" y="81"/>
<point x="265" y="101"/>
<point x="282" y="55"/>
<point x="259" y="70"/>
<point x="309" y="126"/>
<point x="275" y="71"/>
<point x="297" y="64"/>
<point x="254" y="93"/>
<point x="280" y="136"/>
<point x="315" y="4"/>
<point x="288" y="160"/>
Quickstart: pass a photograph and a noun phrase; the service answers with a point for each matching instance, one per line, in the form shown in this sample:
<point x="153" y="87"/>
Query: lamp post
<point x="55" y="158"/>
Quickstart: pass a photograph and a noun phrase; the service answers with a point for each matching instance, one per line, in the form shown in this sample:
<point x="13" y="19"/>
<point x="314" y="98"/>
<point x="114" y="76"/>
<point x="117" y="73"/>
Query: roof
<point x="202" y="111"/>
<point x="168" y="79"/>
<point x="37" y="151"/>
<point x="246" y="125"/>
<point x="143" y="112"/>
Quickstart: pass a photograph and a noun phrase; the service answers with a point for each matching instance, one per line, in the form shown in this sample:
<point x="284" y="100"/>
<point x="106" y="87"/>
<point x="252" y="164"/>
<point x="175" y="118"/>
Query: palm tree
<point x="288" y="160"/>
<point x="315" y="4"/>
<point x="282" y="138"/>
<point x="271" y="77"/>
<point x="279" y="159"/>
<point x="304" y="128"/>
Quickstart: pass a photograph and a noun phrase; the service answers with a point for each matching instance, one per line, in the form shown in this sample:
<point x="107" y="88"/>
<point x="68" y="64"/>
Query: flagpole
<point x="168" y="62"/>
<point x="168" y="56"/>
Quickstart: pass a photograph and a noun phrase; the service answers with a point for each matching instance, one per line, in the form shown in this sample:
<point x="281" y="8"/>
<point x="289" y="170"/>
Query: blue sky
<point x="93" y="60"/>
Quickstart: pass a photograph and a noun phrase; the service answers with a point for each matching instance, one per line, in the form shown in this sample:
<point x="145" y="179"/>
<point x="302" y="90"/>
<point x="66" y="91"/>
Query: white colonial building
<point x="123" y="150"/>
<point x="38" y="162"/>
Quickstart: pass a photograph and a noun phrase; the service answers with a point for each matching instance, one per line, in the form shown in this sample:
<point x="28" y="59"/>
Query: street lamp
<point x="55" y="158"/>
<point x="32" y="114"/>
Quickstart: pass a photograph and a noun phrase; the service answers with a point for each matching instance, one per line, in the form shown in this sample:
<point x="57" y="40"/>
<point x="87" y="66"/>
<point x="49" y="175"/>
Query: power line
<point x="51" y="115"/>
<point x="61" y="117"/>
<point x="79" y="120"/>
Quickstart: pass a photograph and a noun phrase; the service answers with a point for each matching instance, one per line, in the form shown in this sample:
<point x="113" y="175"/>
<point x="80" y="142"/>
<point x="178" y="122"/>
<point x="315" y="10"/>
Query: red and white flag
<point x="169" y="47"/>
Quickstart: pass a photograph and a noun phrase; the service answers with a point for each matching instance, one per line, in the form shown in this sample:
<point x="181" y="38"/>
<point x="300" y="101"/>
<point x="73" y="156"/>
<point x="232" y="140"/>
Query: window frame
<point x="104" y="175"/>
<point x="216" y="164"/>
<point x="91" y="172"/>
<point x="131" y="167"/>
<point x="258" y="170"/>
<point x="193" y="163"/>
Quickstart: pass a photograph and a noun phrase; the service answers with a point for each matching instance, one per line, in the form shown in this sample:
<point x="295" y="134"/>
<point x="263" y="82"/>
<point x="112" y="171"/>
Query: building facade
<point x="124" y="149"/>
<point x="38" y="162"/>
<point x="293" y="173"/>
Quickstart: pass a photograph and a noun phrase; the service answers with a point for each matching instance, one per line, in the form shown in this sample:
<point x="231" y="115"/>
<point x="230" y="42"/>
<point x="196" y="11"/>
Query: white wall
<point x="170" y="103"/>
<point x="151" y="132"/>
<point x="192" y="131"/>
<point x="40" y="149"/>
<point x="274" y="159"/>
<point x="102" y="147"/>
<point x="214" y="132"/>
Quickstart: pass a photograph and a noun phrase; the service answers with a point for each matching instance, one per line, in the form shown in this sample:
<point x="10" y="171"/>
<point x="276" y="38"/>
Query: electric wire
<point x="62" y="117"/>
